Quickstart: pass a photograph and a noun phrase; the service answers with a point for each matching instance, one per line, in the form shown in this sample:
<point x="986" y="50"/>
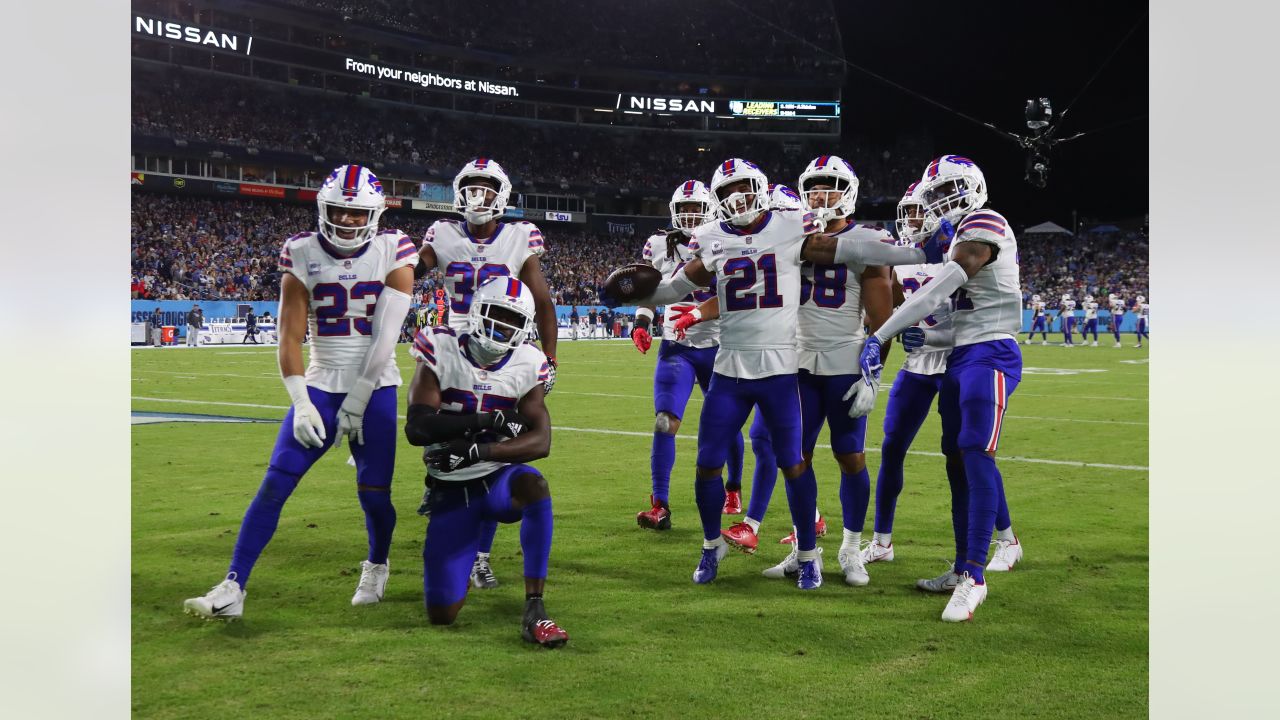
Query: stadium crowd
<point x="208" y="249"/>
<point x="1091" y="263"/>
<point x="742" y="37"/>
<point x="424" y="144"/>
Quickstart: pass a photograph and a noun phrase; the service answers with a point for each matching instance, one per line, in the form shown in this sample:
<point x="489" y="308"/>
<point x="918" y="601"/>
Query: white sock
<point x="806" y="555"/>
<point x="753" y="524"/>
<point x="817" y="515"/>
<point x="882" y="539"/>
<point x="482" y="556"/>
<point x="852" y="540"/>
<point x="712" y="544"/>
<point x="1006" y="534"/>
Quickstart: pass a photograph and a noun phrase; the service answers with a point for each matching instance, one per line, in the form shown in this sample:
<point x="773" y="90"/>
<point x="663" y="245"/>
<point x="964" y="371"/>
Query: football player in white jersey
<point x="1117" y="307"/>
<point x="927" y="345"/>
<point x="1090" y="308"/>
<point x="1039" y="321"/>
<point x="981" y="282"/>
<point x="683" y="360"/>
<point x="1067" y="311"/>
<point x="350" y="282"/>
<point x="476" y="403"/>
<point x="754" y="254"/>
<point x="479" y="247"/>
<point x="1144" y="315"/>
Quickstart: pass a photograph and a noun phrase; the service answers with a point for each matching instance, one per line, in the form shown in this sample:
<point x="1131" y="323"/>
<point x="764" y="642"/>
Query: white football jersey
<point x="344" y="292"/>
<point x="758" y="286"/>
<point x="830" y="331"/>
<point x="1090" y="310"/>
<point x="466" y="262"/>
<point x="989" y="306"/>
<point x="1038" y="307"/>
<point x="939" y="333"/>
<point x="467" y="387"/>
<point x="1068" y="307"/>
<point x="702" y="335"/>
<point x="1117" y="308"/>
<point x="1144" y="310"/>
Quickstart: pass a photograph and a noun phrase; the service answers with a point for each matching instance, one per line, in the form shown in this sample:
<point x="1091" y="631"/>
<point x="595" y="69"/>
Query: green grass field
<point x="1064" y="635"/>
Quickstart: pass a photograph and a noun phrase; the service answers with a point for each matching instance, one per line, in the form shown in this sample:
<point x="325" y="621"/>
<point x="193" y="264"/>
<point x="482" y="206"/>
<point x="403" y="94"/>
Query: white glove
<point x="308" y="426"/>
<point x="864" y="397"/>
<point x="351" y="414"/>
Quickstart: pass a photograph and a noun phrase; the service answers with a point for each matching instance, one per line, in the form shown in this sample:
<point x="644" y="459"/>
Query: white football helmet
<point x="742" y="207"/>
<point x="911" y="228"/>
<point x="475" y="199"/>
<point x="1088" y="298"/>
<point x="782" y="197"/>
<point x="690" y="191"/>
<point x="1140" y="299"/>
<point x="837" y="174"/>
<point x="350" y="187"/>
<point x="500" y="318"/>
<point x="1035" y="298"/>
<point x="1112" y="297"/>
<point x="952" y="187"/>
<point x="1066" y="297"/>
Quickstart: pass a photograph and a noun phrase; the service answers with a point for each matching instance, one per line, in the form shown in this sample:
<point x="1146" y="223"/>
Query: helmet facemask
<point x="740" y="206"/>
<point x="689" y="214"/>
<point x="480" y="198"/>
<point x="339" y="226"/>
<point x="829" y="197"/>
<point x="951" y="197"/>
<point x="496" y="328"/>
<point x="911" y="221"/>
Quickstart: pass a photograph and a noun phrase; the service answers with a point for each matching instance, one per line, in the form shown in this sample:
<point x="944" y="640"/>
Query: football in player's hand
<point x="632" y="282"/>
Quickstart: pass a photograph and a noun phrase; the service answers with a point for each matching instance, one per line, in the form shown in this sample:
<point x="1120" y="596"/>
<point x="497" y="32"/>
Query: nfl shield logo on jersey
<point x="313" y="268"/>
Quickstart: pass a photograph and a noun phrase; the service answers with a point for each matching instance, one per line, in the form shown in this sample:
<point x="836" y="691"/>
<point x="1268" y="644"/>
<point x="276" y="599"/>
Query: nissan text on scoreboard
<point x="728" y="108"/>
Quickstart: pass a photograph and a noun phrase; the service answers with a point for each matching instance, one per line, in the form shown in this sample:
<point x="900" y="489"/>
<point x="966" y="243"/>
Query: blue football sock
<point x="855" y="495"/>
<point x="1003" y="521"/>
<point x="980" y="469"/>
<point x="802" y="496"/>
<point x="260" y="521"/>
<point x="959" y="509"/>
<point x="379" y="521"/>
<point x="889" y="482"/>
<point x="487" y="531"/>
<point x="736" y="450"/>
<point x="763" y="479"/>
<point x="709" y="495"/>
<point x="535" y="538"/>
<point x="661" y="460"/>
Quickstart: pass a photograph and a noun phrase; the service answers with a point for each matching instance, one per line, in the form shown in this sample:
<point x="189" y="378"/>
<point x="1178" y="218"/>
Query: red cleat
<point x="544" y="632"/>
<point x="741" y="536"/>
<point x="732" y="503"/>
<point x="657" y="517"/>
<point x="819" y="529"/>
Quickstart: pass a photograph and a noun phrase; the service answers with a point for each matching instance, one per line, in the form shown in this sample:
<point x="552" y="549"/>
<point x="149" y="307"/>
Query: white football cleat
<point x="373" y="583"/>
<point x="1044" y="342"/>
<point x="1095" y="343"/>
<point x="876" y="552"/>
<point x="482" y="577"/>
<point x="789" y="567"/>
<point x="946" y="582"/>
<point x="1007" y="554"/>
<point x="224" y="602"/>
<point x="854" y="567"/>
<point x="1116" y="345"/>
<point x="966" y="598"/>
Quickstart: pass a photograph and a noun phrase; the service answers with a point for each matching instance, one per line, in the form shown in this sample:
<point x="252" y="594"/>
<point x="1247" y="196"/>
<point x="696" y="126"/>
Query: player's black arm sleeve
<point x="426" y="425"/>
<point x="534" y="443"/>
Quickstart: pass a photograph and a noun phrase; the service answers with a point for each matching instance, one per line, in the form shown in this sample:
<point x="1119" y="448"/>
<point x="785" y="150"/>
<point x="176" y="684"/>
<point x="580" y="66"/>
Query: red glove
<point x="642" y="339"/>
<point x="684" y="321"/>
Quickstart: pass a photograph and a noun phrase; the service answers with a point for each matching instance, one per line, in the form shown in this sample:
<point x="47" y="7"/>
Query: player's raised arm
<point x="967" y="259"/>
<point x="844" y="250"/>
<point x="690" y="278"/>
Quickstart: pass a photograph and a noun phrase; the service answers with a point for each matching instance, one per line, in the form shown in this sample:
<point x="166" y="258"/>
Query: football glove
<point x="864" y="398"/>
<point x="507" y="422"/>
<point x="455" y="455"/>
<point x="869" y="360"/>
<point x="642" y="339"/>
<point x="551" y="376"/>
<point x="684" y="321"/>
<point x="308" y="428"/>
<point x="912" y="339"/>
<point x="351" y="414"/>
<point x="936" y="247"/>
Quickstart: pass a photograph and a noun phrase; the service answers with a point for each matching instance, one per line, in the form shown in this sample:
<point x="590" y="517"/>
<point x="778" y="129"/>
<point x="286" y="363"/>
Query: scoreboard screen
<point x="784" y="109"/>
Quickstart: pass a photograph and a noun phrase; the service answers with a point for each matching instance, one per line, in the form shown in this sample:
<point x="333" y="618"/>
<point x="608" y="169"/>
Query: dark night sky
<point x="986" y="59"/>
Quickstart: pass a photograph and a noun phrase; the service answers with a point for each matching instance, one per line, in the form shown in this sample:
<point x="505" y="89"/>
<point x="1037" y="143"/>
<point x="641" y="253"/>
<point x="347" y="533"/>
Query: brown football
<point x="632" y="282"/>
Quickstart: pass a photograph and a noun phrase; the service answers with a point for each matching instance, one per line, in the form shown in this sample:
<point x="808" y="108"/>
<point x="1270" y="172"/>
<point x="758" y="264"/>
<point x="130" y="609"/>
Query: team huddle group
<point x="777" y="303"/>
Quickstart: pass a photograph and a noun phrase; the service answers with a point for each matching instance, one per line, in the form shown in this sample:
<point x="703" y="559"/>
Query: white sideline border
<point x="633" y="433"/>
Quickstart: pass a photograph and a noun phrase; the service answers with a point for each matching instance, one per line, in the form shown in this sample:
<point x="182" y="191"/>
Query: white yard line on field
<point x="633" y="433"/>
